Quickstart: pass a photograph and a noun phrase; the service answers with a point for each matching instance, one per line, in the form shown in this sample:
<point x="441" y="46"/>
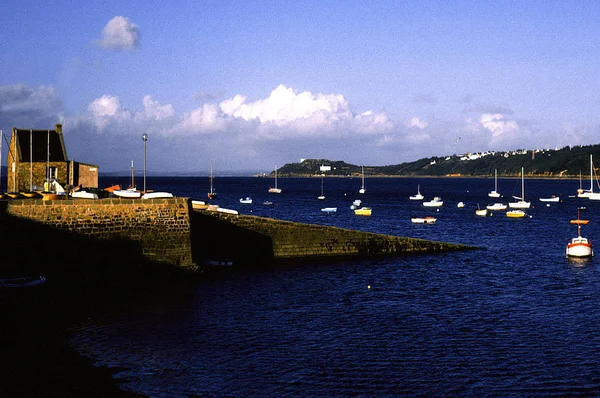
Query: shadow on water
<point x="81" y="275"/>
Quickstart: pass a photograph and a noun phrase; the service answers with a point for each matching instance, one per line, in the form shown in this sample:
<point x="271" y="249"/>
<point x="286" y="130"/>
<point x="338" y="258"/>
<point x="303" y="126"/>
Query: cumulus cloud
<point x="497" y="125"/>
<point x="240" y="134"/>
<point x="120" y="34"/>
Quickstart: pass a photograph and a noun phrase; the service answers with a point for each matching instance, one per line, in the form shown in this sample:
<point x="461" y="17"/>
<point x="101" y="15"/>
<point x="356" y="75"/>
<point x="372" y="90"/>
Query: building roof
<point x="43" y="142"/>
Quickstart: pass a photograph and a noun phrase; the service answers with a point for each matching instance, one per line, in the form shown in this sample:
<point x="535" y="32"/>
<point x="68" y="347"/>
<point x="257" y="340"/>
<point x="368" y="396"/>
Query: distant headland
<point x="567" y="162"/>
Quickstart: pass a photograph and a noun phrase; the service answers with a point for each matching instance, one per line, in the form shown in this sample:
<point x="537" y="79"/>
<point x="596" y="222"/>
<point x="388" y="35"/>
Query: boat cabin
<point x="38" y="156"/>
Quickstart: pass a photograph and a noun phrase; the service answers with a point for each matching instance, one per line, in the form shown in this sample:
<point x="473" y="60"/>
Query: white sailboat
<point x="212" y="194"/>
<point x="591" y="194"/>
<point x="520" y="203"/>
<point x="362" y="188"/>
<point x="495" y="193"/>
<point x="275" y="190"/>
<point x="418" y="196"/>
<point x="322" y="196"/>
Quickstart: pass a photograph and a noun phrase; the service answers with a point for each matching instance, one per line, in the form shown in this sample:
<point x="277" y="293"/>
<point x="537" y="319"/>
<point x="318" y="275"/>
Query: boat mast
<point x="1" y="162"/>
<point x="48" y="157"/>
<point x="591" y="175"/>
<point x="132" y="184"/>
<point x="496" y="180"/>
<point x="523" y="184"/>
<point x="30" y="160"/>
<point x="275" y="176"/>
<point x="211" y="178"/>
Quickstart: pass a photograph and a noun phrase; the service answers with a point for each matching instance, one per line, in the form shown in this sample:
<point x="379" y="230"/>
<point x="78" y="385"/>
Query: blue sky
<point x="250" y="85"/>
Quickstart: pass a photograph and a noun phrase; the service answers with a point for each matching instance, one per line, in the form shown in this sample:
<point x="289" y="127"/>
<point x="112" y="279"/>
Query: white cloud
<point x="120" y="34"/>
<point x="417" y="122"/>
<point x="156" y="111"/>
<point x="497" y="125"/>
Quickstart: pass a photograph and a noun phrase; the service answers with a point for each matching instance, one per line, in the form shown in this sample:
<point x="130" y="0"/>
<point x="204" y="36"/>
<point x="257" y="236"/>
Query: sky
<point x="253" y="85"/>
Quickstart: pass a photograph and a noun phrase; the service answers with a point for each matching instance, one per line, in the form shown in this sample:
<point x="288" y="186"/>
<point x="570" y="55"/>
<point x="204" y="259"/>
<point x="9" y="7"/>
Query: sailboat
<point x="495" y="193"/>
<point x="418" y="196"/>
<point x="520" y="203"/>
<point x="362" y="188"/>
<point x="131" y="192"/>
<point x="322" y="196"/>
<point x="579" y="247"/>
<point x="275" y="190"/>
<point x="591" y="194"/>
<point x="212" y="194"/>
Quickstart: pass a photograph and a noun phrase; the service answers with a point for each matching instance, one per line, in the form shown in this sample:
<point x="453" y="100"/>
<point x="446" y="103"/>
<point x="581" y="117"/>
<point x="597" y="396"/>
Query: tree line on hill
<point x="567" y="162"/>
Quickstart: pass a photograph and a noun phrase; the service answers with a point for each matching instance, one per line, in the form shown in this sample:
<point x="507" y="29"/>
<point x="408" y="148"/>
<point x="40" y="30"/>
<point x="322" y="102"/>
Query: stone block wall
<point x="161" y="227"/>
<point x="298" y="240"/>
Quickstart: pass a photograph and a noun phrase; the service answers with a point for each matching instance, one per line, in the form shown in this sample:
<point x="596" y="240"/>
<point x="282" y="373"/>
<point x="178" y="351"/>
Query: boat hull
<point x="423" y="220"/>
<point x="579" y="248"/>
<point x="364" y="211"/>
<point x="515" y="214"/>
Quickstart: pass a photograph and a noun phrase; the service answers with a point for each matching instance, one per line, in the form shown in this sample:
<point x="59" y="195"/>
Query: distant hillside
<point x="564" y="162"/>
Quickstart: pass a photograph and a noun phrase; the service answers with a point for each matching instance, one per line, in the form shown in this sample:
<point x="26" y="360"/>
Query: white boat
<point x="329" y="209"/>
<point x="496" y="206"/>
<point x="581" y="193"/>
<point x="495" y="193"/>
<point x="517" y="213"/>
<point x="211" y="194"/>
<point x="435" y="202"/>
<point x="552" y="199"/>
<point x="321" y="197"/>
<point x="157" y="195"/>
<point x="418" y="196"/>
<point x="275" y="189"/>
<point x="246" y="200"/>
<point x="520" y="203"/>
<point x="460" y="204"/>
<point x="268" y="203"/>
<point x="423" y="220"/>
<point x="82" y="194"/>
<point x="131" y="193"/>
<point x="362" y="188"/>
<point x="356" y="204"/>
<point x="481" y="212"/>
<point x="579" y="247"/>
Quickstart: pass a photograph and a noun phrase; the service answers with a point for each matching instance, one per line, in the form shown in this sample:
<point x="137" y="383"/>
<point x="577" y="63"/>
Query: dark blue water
<point x="514" y="319"/>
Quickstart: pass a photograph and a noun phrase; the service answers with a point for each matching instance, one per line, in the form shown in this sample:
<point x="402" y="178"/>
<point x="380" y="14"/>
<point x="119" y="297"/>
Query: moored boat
<point x="515" y="213"/>
<point x="247" y="200"/>
<point x="552" y="199"/>
<point x="275" y="189"/>
<point x="423" y="220"/>
<point x="496" y="206"/>
<point x="418" y="195"/>
<point x="363" y="211"/>
<point x="579" y="246"/>
<point x="495" y="193"/>
<point x="329" y="209"/>
<point x="435" y="202"/>
<point x="521" y="203"/>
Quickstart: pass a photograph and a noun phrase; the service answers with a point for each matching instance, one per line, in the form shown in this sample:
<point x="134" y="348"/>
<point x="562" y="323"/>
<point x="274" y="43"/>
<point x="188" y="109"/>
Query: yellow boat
<point x="515" y="213"/>
<point x="363" y="211"/>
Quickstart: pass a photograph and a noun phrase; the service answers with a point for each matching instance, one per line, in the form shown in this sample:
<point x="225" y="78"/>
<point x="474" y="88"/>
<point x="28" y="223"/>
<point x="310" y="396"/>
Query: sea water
<point x="516" y="318"/>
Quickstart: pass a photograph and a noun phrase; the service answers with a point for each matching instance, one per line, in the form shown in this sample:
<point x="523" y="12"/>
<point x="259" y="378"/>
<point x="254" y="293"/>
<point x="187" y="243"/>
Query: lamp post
<point x="145" y="138"/>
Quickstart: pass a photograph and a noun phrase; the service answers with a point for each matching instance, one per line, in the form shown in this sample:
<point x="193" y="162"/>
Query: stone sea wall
<point x="161" y="227"/>
<point x="297" y="240"/>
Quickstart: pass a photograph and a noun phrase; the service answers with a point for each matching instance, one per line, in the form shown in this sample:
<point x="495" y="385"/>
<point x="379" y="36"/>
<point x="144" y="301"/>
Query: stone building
<point x="37" y="156"/>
